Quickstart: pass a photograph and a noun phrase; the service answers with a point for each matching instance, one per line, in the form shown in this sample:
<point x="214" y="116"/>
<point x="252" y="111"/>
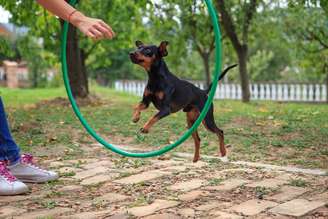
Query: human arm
<point x="91" y="27"/>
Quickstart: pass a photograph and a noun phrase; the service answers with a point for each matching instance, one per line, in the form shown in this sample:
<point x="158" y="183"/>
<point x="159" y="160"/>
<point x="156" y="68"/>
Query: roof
<point x="13" y="29"/>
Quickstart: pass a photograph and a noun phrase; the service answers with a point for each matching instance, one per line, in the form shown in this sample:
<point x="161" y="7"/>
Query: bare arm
<point x="94" y="28"/>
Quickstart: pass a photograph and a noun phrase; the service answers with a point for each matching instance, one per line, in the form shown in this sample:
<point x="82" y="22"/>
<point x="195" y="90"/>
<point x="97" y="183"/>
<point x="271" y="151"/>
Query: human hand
<point x="91" y="27"/>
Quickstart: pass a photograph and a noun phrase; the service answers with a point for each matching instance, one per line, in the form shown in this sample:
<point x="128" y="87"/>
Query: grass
<point x="298" y="183"/>
<point x="270" y="132"/>
<point x="23" y="97"/>
<point x="215" y="181"/>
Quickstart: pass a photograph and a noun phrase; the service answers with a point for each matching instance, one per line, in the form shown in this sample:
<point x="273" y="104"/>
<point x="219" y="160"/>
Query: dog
<point x="169" y="94"/>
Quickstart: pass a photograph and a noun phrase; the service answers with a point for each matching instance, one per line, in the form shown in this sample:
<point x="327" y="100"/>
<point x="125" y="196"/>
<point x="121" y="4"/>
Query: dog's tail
<point x="225" y="71"/>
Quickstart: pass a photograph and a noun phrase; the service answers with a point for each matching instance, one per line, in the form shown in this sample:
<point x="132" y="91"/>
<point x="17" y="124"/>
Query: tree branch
<point x="228" y="24"/>
<point x="87" y="53"/>
<point x="250" y="10"/>
<point x="318" y="39"/>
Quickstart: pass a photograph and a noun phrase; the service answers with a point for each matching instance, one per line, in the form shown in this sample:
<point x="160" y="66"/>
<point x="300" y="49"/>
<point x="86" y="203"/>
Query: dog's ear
<point x="139" y="43"/>
<point x="163" y="48"/>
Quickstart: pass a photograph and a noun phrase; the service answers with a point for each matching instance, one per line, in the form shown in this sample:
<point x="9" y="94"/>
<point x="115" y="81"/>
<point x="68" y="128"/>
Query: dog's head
<point x="145" y="55"/>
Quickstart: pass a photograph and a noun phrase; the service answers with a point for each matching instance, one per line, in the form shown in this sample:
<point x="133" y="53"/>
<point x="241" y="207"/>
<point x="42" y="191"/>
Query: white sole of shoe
<point x="40" y="180"/>
<point x="17" y="192"/>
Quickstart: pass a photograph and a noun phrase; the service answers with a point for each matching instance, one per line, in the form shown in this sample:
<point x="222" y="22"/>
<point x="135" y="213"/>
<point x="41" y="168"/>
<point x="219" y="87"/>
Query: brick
<point x="56" y="164"/>
<point x="152" y="208"/>
<point x="89" y="173"/>
<point x="103" y="163"/>
<point x="112" y="198"/>
<point x="16" y="198"/>
<point x="45" y="213"/>
<point x="99" y="179"/>
<point x="253" y="207"/>
<point x="191" y="196"/>
<point x="145" y="176"/>
<point x="174" y="168"/>
<point x="187" y="212"/>
<point x="166" y="163"/>
<point x="82" y="161"/>
<point x="297" y="207"/>
<point x="224" y="215"/>
<point x="268" y="183"/>
<point x="320" y="197"/>
<point x="9" y="211"/>
<point x="68" y="170"/>
<point x="208" y="207"/>
<point x="119" y="216"/>
<point x="162" y="216"/>
<point x="188" y="185"/>
<point x="228" y="185"/>
<point x="287" y="192"/>
<point x="235" y="170"/>
<point x="70" y="188"/>
<point x="88" y="215"/>
<point x="199" y="164"/>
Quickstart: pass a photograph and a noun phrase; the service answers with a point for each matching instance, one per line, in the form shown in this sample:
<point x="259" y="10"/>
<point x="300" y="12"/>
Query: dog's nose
<point x="131" y="53"/>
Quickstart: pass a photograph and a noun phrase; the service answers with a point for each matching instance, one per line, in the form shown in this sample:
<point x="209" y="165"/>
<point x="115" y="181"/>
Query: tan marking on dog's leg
<point x="149" y="124"/>
<point x="191" y="118"/>
<point x="137" y="111"/>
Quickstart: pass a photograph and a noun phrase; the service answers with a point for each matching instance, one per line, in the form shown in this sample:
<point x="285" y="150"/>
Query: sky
<point x="4" y="15"/>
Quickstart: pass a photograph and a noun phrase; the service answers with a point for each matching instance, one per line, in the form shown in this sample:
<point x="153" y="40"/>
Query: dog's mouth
<point x="134" y="59"/>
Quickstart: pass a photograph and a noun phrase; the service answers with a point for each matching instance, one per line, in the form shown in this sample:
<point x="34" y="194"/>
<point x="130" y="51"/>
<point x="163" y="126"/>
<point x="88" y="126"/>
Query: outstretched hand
<point x="91" y="27"/>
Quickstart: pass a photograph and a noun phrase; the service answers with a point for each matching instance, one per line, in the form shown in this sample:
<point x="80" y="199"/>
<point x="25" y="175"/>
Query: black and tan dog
<point x="170" y="94"/>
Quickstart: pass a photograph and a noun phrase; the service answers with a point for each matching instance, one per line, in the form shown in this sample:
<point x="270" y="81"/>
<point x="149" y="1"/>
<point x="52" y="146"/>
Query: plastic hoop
<point x="186" y="135"/>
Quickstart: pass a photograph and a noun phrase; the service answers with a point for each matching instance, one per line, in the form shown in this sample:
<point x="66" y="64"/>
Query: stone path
<point x="119" y="188"/>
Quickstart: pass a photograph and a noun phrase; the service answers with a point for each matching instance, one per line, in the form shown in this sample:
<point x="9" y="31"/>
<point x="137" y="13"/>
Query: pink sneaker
<point x="9" y="185"/>
<point x="27" y="171"/>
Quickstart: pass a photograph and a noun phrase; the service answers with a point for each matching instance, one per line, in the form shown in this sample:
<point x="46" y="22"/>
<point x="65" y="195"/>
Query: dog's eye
<point x="148" y="52"/>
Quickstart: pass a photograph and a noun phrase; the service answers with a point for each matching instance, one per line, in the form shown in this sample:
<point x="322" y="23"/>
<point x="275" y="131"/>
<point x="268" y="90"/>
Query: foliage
<point x="38" y="60"/>
<point x="281" y="46"/>
<point x="8" y="49"/>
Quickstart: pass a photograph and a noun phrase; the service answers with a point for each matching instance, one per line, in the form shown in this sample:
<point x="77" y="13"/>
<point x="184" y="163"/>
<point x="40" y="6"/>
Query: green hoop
<point x="186" y="135"/>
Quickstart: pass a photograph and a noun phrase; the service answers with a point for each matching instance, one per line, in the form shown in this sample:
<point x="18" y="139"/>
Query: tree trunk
<point x="34" y="78"/>
<point x="244" y="79"/>
<point x="240" y="47"/>
<point x="206" y="61"/>
<point x="327" y="87"/>
<point x="84" y="69"/>
<point x="75" y="64"/>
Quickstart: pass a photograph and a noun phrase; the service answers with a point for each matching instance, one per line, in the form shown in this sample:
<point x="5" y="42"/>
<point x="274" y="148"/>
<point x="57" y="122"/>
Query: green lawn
<point x="277" y="133"/>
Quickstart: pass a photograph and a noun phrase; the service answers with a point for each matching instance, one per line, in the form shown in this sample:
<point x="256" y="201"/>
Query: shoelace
<point x="28" y="160"/>
<point x="5" y="172"/>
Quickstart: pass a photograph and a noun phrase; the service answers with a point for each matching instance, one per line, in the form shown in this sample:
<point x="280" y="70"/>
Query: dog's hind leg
<point x="192" y="116"/>
<point x="210" y="125"/>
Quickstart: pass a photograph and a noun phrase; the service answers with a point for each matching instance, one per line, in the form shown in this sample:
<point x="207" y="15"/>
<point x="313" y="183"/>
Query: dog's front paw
<point x="135" y="119"/>
<point x="143" y="130"/>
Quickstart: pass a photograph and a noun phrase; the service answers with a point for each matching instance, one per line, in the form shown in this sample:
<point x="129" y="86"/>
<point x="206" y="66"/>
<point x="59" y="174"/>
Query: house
<point x="11" y="31"/>
<point x="14" y="75"/>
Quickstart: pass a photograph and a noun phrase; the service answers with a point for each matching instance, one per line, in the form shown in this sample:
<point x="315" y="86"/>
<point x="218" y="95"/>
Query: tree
<point x="203" y="39"/>
<point x="181" y="21"/>
<point x="75" y="58"/>
<point x="8" y="49"/>
<point x="311" y="35"/>
<point x="38" y="59"/>
<point x="47" y="27"/>
<point x="240" y="44"/>
<point x="108" y="60"/>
